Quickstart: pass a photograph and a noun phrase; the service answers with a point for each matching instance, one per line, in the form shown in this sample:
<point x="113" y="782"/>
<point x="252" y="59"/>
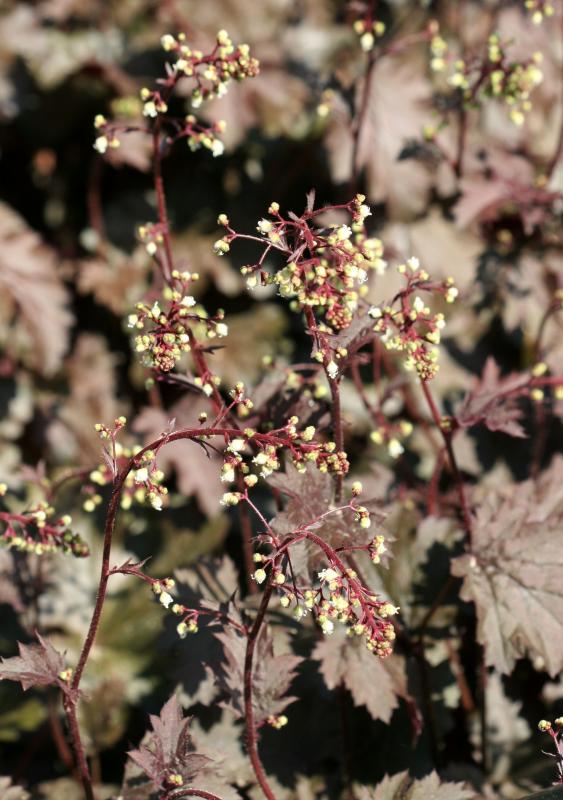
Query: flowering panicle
<point x="165" y="334"/>
<point x="339" y="597"/>
<point x="40" y="531"/>
<point x="326" y="267"/>
<point x="493" y="75"/>
<point x="210" y="73"/>
<point x="407" y="325"/>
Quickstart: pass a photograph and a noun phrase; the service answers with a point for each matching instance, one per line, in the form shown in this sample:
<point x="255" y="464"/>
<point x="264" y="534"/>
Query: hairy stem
<point x="337" y="432"/>
<point x="250" y="725"/>
<point x="78" y="747"/>
<point x="190" y="792"/>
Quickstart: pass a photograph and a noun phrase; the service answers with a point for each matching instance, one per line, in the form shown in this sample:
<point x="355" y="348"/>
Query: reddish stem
<point x="250" y="725"/>
<point x="447" y="437"/>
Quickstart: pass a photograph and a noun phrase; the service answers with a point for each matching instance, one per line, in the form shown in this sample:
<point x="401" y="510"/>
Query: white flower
<point x="328" y="574"/>
<point x="166" y="599"/>
<point x="101" y="144"/>
<point x="142" y="475"/>
<point x="236" y="445"/>
<point x="227" y="473"/>
<point x="327" y="626"/>
<point x="344" y="232"/>
<point x="264" y="226"/>
<point x="413" y="263"/>
<point x="221" y="329"/>
<point x="167" y="41"/>
<point x="395" y="448"/>
<point x="188" y="301"/>
<point x="260" y="575"/>
<point x="155" y="501"/>
<point x="332" y="369"/>
<point x="364" y="211"/>
<point x="149" y="109"/>
<point x="218" y="148"/>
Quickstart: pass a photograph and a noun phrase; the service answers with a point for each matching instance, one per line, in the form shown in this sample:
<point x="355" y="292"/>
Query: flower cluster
<point x="165" y="334"/>
<point x="339" y="597"/>
<point x="141" y="484"/>
<point x="266" y="450"/>
<point x="39" y="531"/>
<point x="391" y="433"/>
<point x="160" y="589"/>
<point x="407" y="325"/>
<point x="212" y="73"/>
<point x="368" y="30"/>
<point x="539" y="9"/>
<point x="326" y="266"/>
<point x="493" y="75"/>
<point x="106" y="135"/>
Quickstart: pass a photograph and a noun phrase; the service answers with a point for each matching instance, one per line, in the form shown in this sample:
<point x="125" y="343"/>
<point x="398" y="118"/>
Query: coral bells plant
<point x="328" y="526"/>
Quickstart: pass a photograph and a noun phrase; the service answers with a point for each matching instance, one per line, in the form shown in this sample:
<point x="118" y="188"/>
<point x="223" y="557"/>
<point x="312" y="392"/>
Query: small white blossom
<point x="328" y="574"/>
<point x="166" y="599"/>
<point x="332" y="369"/>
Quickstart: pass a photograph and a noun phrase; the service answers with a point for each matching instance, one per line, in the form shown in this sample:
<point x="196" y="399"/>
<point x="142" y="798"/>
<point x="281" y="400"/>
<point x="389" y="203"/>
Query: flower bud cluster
<point x="368" y="30"/>
<point x="392" y="434"/>
<point x="153" y="104"/>
<point x="408" y="325"/>
<point x="326" y="267"/>
<point x="212" y="73"/>
<point x="198" y="135"/>
<point x="39" y="531"/>
<point x="166" y="334"/>
<point x="106" y="135"/>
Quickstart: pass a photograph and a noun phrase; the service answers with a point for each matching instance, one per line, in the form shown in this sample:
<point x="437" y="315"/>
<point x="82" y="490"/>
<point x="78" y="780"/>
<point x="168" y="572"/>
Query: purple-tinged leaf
<point x="493" y="402"/>
<point x="513" y="573"/>
<point x="373" y="682"/>
<point x="37" y="665"/>
<point x="168" y="749"/>
<point x="271" y="675"/>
